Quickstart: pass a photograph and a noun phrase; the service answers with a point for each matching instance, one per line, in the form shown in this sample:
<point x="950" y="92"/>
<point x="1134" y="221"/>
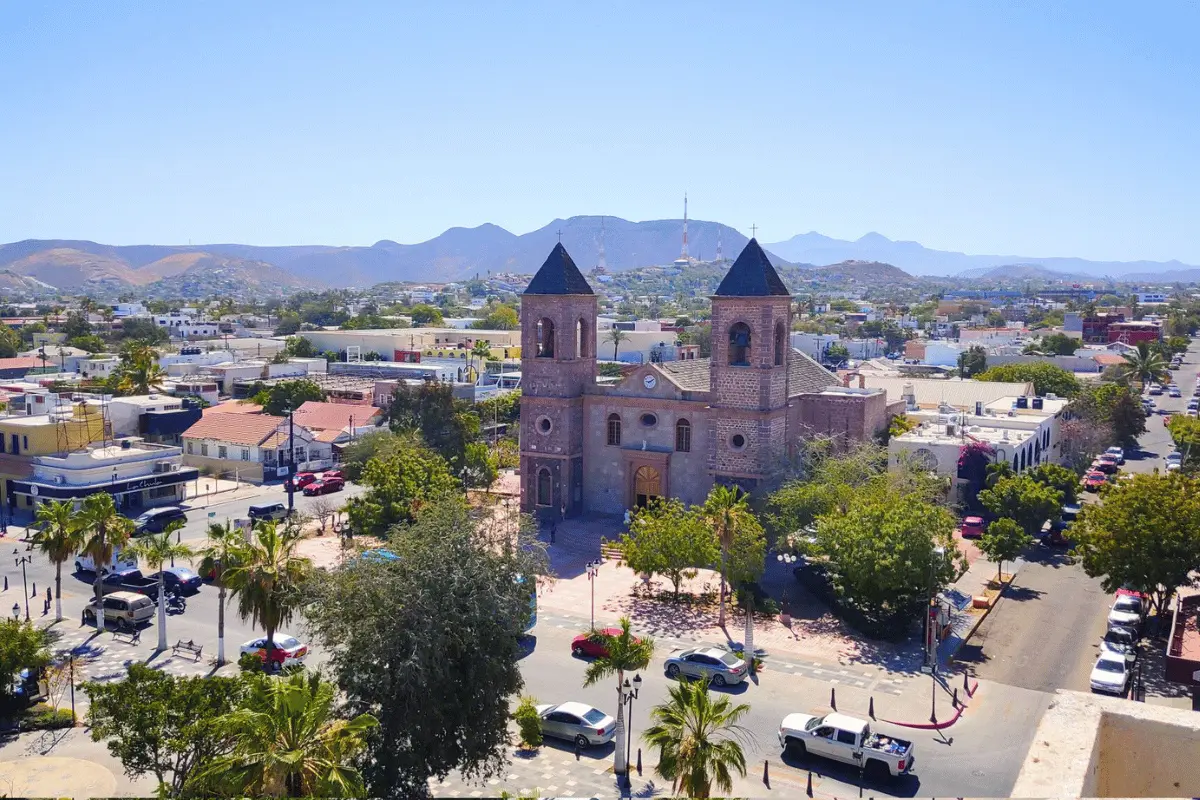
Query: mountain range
<point x="461" y="253"/>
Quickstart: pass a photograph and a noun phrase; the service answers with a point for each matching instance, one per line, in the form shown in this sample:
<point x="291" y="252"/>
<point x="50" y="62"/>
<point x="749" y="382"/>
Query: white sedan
<point x="286" y="650"/>
<point x="1111" y="674"/>
<point x="1126" y="613"/>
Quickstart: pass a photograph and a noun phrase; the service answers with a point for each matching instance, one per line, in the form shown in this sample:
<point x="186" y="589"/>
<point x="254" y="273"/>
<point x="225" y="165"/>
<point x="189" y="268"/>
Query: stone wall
<point x="844" y="417"/>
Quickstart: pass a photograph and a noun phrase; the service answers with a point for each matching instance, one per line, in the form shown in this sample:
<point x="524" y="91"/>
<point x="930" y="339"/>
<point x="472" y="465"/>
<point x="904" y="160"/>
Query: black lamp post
<point x="21" y="561"/>
<point x="630" y="694"/>
<point x="593" y="569"/>
<point x="291" y="473"/>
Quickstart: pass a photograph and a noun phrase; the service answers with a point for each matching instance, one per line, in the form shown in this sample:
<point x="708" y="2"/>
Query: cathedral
<point x="671" y="429"/>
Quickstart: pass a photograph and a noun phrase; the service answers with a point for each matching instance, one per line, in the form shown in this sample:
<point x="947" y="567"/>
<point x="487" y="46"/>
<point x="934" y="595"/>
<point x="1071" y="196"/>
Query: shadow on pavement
<point x="1021" y="593"/>
<point x="597" y="753"/>
<point x="1153" y="665"/>
<point x="526" y="645"/>
<point x="902" y="786"/>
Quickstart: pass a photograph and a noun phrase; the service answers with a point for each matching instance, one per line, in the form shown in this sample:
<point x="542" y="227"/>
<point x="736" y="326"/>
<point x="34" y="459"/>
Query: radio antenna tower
<point x="601" y="261"/>
<point x="683" y="255"/>
<point x="720" y="258"/>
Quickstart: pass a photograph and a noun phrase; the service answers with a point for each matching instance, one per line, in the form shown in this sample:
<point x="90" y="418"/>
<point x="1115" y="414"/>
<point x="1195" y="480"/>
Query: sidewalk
<point x="964" y="619"/>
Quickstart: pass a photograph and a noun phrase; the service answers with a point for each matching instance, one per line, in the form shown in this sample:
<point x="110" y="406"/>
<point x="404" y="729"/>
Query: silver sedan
<point x="578" y="723"/>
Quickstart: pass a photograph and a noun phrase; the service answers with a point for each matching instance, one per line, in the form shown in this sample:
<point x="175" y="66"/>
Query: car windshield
<point x="729" y="659"/>
<point x="286" y="642"/>
<point x="594" y="716"/>
<point x="1104" y="665"/>
<point x="813" y="723"/>
<point x="1127" y="603"/>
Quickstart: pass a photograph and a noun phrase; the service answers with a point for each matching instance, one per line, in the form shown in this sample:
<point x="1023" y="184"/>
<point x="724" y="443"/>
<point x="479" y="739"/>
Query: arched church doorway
<point x="647" y="485"/>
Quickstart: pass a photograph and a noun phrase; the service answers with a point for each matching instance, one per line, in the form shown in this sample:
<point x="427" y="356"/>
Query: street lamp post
<point x="629" y="693"/>
<point x="21" y="561"/>
<point x="291" y="473"/>
<point x="593" y="570"/>
<point x="930" y="650"/>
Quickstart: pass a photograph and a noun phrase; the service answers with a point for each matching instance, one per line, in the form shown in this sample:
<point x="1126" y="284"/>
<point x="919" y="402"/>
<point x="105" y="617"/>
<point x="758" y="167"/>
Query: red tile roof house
<point x="333" y="422"/>
<point x="252" y="447"/>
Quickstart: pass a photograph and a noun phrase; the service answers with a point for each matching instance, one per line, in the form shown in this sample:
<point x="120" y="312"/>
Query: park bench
<point x="131" y="635"/>
<point x="189" y="647"/>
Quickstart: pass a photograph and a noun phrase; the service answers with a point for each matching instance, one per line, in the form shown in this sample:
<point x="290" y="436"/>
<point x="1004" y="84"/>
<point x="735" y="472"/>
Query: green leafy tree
<point x="23" y="645"/>
<point x="106" y="533"/>
<point x="92" y="343"/>
<point x="1185" y="432"/>
<point x="900" y="425"/>
<point x="1057" y="477"/>
<point x="277" y="400"/>
<point x="157" y="550"/>
<point x="882" y="556"/>
<point x="624" y="653"/>
<point x="287" y="741"/>
<point x="435" y="632"/>
<point x="299" y="347"/>
<point x="424" y="314"/>
<point x="480" y="353"/>
<point x="144" y="329"/>
<point x="1023" y="500"/>
<point x="726" y="510"/>
<point x="218" y="555"/>
<point x="10" y="342"/>
<point x="1145" y="535"/>
<point x="447" y="425"/>
<point x="159" y="724"/>
<point x="1003" y="540"/>
<point x="75" y="325"/>
<point x="699" y="739"/>
<point x="972" y="362"/>
<point x="1058" y="344"/>
<point x="1145" y="365"/>
<point x="398" y="484"/>
<point x="267" y="577"/>
<point x="60" y="537"/>
<point x="666" y="539"/>
<point x="529" y="723"/>
<point x="138" y="372"/>
<point x="479" y="470"/>
<point x="1113" y="408"/>
<point x="500" y="317"/>
<point x="1046" y="378"/>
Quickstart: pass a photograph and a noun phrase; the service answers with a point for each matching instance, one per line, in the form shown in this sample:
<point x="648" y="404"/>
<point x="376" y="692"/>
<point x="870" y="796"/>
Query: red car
<point x="303" y="479"/>
<point x="324" y="486"/>
<point x="1094" y="480"/>
<point x="972" y="527"/>
<point x="590" y="644"/>
<point x="1167" y="421"/>
<point x="332" y="473"/>
<point x="1133" y="593"/>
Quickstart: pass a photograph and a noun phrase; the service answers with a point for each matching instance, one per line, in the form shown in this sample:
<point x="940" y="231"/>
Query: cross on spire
<point x="560" y="235"/>
<point x="753" y="231"/>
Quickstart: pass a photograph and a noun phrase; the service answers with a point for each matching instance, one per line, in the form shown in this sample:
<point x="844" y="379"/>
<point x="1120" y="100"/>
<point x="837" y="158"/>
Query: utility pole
<point x="291" y="476"/>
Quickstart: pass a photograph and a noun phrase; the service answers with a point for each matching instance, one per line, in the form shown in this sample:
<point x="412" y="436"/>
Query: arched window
<point x="545" y="338"/>
<point x="614" y="429"/>
<point x="581" y="339"/>
<point x="1022" y="461"/>
<point x="739" y="345"/>
<point x="545" y="488"/>
<point x="780" y="343"/>
<point x="683" y="436"/>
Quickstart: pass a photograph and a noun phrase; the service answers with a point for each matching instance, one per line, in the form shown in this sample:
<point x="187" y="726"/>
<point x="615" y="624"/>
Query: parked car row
<point x="1119" y="646"/>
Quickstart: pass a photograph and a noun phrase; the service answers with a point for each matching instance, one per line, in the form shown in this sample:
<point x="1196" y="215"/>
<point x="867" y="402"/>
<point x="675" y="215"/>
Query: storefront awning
<point x="57" y="491"/>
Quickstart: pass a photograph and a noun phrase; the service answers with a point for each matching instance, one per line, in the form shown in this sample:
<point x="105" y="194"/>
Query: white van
<point x="84" y="563"/>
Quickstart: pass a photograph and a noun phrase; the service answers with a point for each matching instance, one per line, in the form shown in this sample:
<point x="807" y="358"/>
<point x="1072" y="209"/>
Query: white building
<point x="1152" y="297"/>
<point x="184" y="325"/>
<point x="125" y="310"/>
<point x="100" y="367"/>
<point x="252" y="447"/>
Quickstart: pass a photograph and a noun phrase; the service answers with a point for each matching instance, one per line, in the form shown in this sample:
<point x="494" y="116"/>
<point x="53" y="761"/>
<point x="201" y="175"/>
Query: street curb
<point x="937" y="726"/>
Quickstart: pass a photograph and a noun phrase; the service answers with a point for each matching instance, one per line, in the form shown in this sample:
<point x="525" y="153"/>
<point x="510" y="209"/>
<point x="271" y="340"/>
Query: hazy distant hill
<point x="864" y="272"/>
<point x="456" y="254"/>
<point x="917" y="259"/>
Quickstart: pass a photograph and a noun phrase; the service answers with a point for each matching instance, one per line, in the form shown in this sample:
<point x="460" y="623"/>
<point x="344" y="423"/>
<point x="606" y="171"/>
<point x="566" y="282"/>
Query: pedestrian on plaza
<point x="553" y="532"/>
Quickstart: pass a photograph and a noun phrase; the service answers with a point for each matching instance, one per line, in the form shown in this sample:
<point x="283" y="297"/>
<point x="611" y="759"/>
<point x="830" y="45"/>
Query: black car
<point x="271" y="511"/>
<point x="157" y="519"/>
<point x="179" y="579"/>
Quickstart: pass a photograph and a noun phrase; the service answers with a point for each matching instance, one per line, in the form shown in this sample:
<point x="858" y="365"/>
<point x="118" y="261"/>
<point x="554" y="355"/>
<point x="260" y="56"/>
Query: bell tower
<point x="558" y="363"/>
<point x="751" y="324"/>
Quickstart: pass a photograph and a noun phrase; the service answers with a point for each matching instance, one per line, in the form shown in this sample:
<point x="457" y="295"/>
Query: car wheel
<point x="876" y="770"/>
<point x="794" y="747"/>
<point x="718" y="680"/>
<point x="123" y="624"/>
<point x="672" y="670"/>
<point x="577" y="651"/>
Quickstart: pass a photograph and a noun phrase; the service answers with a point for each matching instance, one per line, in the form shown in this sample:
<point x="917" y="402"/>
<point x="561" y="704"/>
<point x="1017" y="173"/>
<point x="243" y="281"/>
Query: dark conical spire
<point x="559" y="275"/>
<point x="752" y="275"/>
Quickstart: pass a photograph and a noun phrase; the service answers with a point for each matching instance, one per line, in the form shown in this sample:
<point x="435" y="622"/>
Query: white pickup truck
<point x="846" y="739"/>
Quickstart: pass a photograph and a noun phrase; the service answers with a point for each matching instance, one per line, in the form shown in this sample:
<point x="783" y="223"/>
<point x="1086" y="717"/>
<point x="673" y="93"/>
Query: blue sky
<point x="1008" y="127"/>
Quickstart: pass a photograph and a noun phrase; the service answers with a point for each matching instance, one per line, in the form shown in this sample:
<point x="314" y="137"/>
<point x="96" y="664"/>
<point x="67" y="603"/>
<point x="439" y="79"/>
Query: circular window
<point x="649" y="420"/>
<point x="737" y="442"/>
<point x="544" y="425"/>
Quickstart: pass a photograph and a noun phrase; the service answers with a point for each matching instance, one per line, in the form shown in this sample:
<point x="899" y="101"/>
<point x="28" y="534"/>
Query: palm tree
<point x="615" y="336"/>
<point x="1144" y="365"/>
<point x="107" y="533"/>
<point x="215" y="559"/>
<point x="288" y="742"/>
<point x="266" y="576"/>
<point x="481" y="351"/>
<point x="157" y="550"/>
<point x="726" y="509"/>
<point x="139" y="372"/>
<point x="61" y="537"/>
<point x="699" y="739"/>
<point x="625" y="653"/>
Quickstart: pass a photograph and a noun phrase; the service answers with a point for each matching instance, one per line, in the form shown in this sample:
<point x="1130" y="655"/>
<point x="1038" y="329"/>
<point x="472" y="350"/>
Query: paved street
<point x="1044" y="635"/>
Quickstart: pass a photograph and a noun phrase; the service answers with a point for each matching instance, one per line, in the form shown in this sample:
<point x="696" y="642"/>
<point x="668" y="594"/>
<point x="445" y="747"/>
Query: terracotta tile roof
<point x="233" y="407"/>
<point x="1108" y="359"/>
<point x="329" y="435"/>
<point x="244" y="429"/>
<point x="316" y="415"/>
<point x="24" y="362"/>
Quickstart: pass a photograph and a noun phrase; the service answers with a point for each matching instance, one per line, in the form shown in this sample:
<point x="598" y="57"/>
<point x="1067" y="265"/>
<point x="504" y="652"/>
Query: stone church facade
<point x="671" y="429"/>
